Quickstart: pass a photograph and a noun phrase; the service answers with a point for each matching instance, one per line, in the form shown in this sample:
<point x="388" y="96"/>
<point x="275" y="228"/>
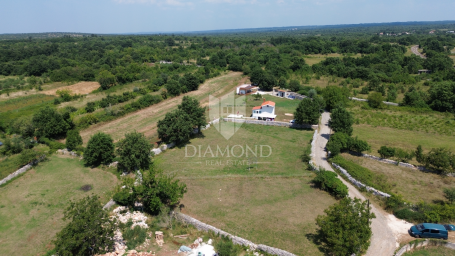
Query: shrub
<point x="375" y="100"/>
<point x="90" y="107"/>
<point x="328" y="181"/>
<point x="73" y="139"/>
<point x="49" y="123"/>
<point x="449" y="194"/>
<point x="124" y="197"/>
<point x="134" y="236"/>
<point x="52" y="144"/>
<point x="100" y="149"/>
<point x="386" y="152"/>
<point x="225" y="247"/>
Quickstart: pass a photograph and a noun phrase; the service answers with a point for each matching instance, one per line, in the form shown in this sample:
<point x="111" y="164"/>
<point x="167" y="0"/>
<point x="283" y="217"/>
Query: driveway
<point x="383" y="241"/>
<point x="415" y="50"/>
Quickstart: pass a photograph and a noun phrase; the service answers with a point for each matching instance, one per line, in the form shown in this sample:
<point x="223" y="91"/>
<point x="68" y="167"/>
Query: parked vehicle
<point x="429" y="230"/>
<point x="292" y="121"/>
<point x="449" y="227"/>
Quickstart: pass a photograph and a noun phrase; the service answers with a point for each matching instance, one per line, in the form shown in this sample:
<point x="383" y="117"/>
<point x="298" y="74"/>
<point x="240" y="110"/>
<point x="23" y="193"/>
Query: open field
<point x="399" y="118"/>
<point x="273" y="202"/>
<point x="432" y="251"/>
<point x="414" y="185"/>
<point x="79" y="88"/>
<point x="283" y="106"/>
<point x="312" y="59"/>
<point x="145" y="120"/>
<point x="31" y="207"/>
<point x="25" y="92"/>
<point x="17" y="103"/>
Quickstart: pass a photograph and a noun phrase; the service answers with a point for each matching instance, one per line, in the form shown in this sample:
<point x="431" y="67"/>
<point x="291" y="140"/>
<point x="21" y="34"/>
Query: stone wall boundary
<point x="21" y="170"/>
<point x="271" y="123"/>
<point x="235" y="239"/>
<point x="365" y="100"/>
<point x="425" y="243"/>
<point x="358" y="183"/>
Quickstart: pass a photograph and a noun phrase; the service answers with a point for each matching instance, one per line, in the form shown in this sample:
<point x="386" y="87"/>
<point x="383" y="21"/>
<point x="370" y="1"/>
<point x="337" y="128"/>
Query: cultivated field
<point x="79" y="88"/>
<point x="414" y="185"/>
<point x="31" y="207"/>
<point x="145" y="120"/>
<point x="267" y="200"/>
<point x="312" y="59"/>
<point x="25" y="92"/>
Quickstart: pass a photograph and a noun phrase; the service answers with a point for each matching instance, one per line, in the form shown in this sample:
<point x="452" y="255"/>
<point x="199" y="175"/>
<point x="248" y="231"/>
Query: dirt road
<point x="415" y="50"/>
<point x="386" y="228"/>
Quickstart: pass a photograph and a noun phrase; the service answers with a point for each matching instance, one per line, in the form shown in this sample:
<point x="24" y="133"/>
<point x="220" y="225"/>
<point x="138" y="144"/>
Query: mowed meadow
<point x="31" y="206"/>
<point x="268" y="199"/>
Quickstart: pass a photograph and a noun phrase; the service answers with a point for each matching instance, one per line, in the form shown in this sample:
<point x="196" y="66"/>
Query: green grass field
<point x="414" y="185"/>
<point x="282" y="107"/>
<point x="31" y="207"/>
<point x="271" y="202"/>
<point x="431" y="251"/>
<point x="12" y="109"/>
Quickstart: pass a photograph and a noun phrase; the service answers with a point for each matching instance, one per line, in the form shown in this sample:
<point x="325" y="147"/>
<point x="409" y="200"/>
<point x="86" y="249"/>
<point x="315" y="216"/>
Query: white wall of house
<point x="266" y="111"/>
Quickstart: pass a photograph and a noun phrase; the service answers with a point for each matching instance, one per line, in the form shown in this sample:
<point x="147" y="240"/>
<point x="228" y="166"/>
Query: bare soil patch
<point x="79" y="88"/>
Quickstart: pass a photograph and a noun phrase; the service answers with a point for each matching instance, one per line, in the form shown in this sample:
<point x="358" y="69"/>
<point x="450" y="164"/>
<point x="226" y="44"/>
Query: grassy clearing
<point x="312" y="59"/>
<point x="10" y="164"/>
<point x="145" y="120"/>
<point x="415" y="186"/>
<point x="17" y="103"/>
<point x="272" y="203"/>
<point x="282" y="106"/>
<point x="25" y="108"/>
<point x="27" y="91"/>
<point x="31" y="207"/>
<point x="431" y="251"/>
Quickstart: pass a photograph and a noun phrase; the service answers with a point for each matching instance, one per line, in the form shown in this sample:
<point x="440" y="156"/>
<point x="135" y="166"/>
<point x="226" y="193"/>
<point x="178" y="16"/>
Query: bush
<point x="134" y="236"/>
<point x="449" y="194"/>
<point x="100" y="149"/>
<point x="49" y="123"/>
<point x="375" y="100"/>
<point x="328" y="181"/>
<point x="90" y="107"/>
<point x="386" y="152"/>
<point x="226" y="247"/>
<point x="53" y="145"/>
<point x="124" y="197"/>
<point x="73" y="139"/>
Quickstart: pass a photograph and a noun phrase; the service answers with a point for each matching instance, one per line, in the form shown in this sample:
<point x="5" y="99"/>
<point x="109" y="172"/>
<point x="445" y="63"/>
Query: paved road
<point x="415" y="50"/>
<point x="383" y="241"/>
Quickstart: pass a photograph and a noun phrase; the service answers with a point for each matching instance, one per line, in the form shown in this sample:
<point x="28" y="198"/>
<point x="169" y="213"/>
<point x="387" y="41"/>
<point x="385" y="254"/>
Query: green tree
<point x="449" y="193"/>
<point x="235" y="64"/>
<point x="335" y="96"/>
<point x="106" y="79"/>
<point x="190" y="81"/>
<point x="375" y="100"/>
<point x="297" y="63"/>
<point x="100" y="149"/>
<point x="175" y="127"/>
<point x="134" y="151"/>
<point x="49" y="123"/>
<point x="307" y="112"/>
<point x="194" y="110"/>
<point x="73" y="139"/>
<point x="345" y="228"/>
<point x="173" y="87"/>
<point x="89" y="231"/>
<point x="440" y="159"/>
<point x="420" y="157"/>
<point x="294" y="85"/>
<point x="386" y="152"/>
<point x="341" y="121"/>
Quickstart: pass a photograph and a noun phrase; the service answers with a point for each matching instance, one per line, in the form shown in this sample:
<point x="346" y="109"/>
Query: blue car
<point x="449" y="227"/>
<point x="429" y="230"/>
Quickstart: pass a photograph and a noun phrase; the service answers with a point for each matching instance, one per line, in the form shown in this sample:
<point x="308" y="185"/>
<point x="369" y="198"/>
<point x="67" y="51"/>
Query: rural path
<point x="415" y="50"/>
<point x="384" y="239"/>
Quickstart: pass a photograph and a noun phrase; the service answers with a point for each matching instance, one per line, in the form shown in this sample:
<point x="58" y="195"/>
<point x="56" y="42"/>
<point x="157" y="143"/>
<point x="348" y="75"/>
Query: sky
<point x="133" y="16"/>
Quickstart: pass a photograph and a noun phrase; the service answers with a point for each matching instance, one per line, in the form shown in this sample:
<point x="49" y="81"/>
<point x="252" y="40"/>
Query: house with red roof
<point x="265" y="112"/>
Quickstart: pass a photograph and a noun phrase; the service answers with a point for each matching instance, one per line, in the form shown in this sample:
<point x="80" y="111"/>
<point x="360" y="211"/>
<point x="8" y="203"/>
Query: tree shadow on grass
<point x="318" y="239"/>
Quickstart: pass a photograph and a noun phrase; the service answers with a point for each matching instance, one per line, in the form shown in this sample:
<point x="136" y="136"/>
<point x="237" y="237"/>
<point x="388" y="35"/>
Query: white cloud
<point x="157" y="2"/>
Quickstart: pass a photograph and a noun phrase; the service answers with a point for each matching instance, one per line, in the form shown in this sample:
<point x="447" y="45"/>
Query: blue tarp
<point x="1" y="143"/>
<point x="184" y="249"/>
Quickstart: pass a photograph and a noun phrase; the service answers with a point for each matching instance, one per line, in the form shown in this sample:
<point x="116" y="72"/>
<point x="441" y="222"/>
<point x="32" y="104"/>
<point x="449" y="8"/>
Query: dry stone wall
<point x="358" y="183"/>
<point x="410" y="247"/>
<point x="272" y="123"/>
<point x="235" y="239"/>
<point x="21" y="170"/>
<point x="365" y="100"/>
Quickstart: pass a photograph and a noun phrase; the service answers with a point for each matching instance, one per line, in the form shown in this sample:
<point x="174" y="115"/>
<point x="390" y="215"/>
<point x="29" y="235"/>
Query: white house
<point x="265" y="112"/>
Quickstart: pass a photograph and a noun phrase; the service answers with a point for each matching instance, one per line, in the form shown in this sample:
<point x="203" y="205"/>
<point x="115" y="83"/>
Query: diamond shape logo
<point x="229" y="106"/>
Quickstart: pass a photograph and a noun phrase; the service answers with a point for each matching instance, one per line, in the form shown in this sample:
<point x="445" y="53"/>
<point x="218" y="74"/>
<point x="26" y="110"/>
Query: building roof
<point x="256" y="108"/>
<point x="243" y="86"/>
<point x="271" y="103"/>
<point x="249" y="87"/>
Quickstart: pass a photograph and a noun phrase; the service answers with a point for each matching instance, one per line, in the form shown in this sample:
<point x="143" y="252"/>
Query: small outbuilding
<point x="245" y="89"/>
<point x="424" y="71"/>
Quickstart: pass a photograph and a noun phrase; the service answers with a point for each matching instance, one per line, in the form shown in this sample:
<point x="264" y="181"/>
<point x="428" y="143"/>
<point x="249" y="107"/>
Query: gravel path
<point x="415" y="50"/>
<point x="383" y="241"/>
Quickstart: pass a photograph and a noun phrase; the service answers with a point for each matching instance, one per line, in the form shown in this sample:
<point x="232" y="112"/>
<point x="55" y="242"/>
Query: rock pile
<point x="138" y="218"/>
<point x="65" y="151"/>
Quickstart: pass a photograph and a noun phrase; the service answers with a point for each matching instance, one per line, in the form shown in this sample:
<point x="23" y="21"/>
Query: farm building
<point x="265" y="112"/>
<point x="281" y="93"/>
<point x="245" y="89"/>
<point x="424" y="71"/>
